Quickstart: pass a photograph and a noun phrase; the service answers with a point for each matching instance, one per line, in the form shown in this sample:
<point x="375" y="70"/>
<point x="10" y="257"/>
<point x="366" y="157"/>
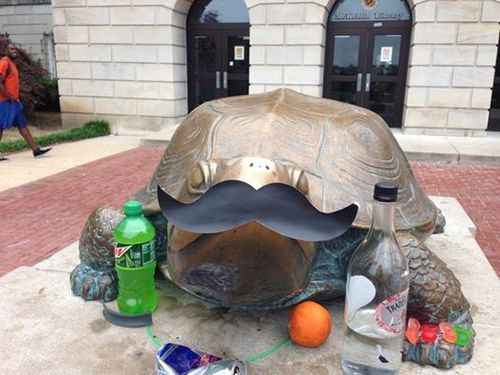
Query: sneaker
<point x="3" y="159"/>
<point x="40" y="151"/>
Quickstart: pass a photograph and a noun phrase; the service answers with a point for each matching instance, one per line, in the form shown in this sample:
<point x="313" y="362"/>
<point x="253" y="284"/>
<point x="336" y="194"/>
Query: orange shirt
<point x="11" y="84"/>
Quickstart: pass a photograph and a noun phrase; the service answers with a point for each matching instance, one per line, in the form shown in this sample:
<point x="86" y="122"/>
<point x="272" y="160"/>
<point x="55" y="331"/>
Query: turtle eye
<point x="201" y="177"/>
<point x="196" y="181"/>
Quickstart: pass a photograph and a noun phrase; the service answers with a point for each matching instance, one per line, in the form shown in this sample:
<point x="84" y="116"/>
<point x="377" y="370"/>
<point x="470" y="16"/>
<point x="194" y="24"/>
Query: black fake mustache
<point x="279" y="207"/>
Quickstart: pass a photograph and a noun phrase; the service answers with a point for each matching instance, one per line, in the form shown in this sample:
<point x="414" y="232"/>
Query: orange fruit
<point x="309" y="324"/>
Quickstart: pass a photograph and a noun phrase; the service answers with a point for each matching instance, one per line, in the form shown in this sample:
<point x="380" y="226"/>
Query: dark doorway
<point x="367" y="56"/>
<point x="218" y="50"/>
<point x="494" y="120"/>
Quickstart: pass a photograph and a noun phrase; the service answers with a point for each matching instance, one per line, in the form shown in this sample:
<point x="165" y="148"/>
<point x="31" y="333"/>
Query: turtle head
<point x="243" y="233"/>
<point x="256" y="172"/>
<point x="248" y="264"/>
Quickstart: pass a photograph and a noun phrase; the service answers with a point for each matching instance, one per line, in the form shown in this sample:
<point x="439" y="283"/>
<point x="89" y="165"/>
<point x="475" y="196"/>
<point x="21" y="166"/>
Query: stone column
<point x="123" y="61"/>
<point x="287" y="41"/>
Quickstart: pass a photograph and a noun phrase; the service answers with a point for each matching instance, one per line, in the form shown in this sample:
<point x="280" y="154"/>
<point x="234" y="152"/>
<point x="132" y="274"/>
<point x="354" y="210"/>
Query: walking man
<point x="11" y="108"/>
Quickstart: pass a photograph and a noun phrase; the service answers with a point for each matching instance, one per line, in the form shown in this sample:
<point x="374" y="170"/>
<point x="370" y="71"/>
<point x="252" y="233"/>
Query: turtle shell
<point x="343" y="149"/>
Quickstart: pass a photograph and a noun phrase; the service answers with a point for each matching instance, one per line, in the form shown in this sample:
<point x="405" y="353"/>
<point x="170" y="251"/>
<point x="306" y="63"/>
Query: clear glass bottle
<point x="376" y="294"/>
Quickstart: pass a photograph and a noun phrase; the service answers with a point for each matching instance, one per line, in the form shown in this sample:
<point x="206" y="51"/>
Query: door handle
<point x="217" y="80"/>
<point x="224" y="86"/>
<point x="367" y="84"/>
<point x="358" y="82"/>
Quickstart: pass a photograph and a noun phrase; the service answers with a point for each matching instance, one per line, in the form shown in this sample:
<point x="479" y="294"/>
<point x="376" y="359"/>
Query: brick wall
<point x="26" y="21"/>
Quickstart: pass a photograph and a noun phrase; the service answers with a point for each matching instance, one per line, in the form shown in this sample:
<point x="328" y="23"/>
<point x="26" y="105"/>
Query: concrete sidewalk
<point x="451" y="150"/>
<point x="22" y="167"/>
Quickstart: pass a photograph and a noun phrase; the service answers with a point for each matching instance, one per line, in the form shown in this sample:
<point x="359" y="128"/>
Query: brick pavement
<point x="41" y="217"/>
<point x="477" y="188"/>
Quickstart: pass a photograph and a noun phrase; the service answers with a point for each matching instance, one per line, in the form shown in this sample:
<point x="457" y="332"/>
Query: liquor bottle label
<point x="391" y="312"/>
<point x="134" y="256"/>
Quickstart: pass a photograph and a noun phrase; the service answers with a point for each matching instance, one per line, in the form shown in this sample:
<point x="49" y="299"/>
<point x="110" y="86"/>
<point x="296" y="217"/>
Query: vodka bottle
<point x="376" y="294"/>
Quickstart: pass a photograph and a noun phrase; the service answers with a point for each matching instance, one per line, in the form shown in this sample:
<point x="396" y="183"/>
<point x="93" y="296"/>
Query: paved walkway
<point x="43" y="216"/>
<point x="40" y="217"/>
<point x="477" y="188"/>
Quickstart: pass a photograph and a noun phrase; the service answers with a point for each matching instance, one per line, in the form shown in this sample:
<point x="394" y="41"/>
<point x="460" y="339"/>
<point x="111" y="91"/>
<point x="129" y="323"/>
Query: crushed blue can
<point x="174" y="359"/>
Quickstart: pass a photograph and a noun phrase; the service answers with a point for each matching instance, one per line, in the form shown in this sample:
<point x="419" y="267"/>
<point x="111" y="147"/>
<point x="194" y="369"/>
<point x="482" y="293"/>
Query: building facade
<point x="425" y="66"/>
<point x="29" y="23"/>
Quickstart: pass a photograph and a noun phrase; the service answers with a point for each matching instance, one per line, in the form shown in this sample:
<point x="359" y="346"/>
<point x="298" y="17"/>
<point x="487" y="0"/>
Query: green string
<point x="152" y="337"/>
<point x="262" y="355"/>
<point x="254" y="358"/>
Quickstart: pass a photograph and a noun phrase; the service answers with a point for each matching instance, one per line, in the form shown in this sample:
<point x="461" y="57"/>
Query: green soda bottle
<point x="135" y="260"/>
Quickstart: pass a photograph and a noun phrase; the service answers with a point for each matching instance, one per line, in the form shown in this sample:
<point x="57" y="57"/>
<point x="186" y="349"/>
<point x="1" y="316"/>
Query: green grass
<point x="90" y="129"/>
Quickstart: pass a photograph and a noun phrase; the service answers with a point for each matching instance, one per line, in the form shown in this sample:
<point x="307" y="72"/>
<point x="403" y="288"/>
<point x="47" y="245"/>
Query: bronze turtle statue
<point x="333" y="153"/>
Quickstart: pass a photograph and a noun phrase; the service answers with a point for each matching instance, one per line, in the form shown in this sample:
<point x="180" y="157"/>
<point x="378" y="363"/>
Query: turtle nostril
<point x="251" y="164"/>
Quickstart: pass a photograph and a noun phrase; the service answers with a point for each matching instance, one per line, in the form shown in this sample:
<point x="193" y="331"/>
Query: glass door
<point x="236" y="62"/>
<point x="218" y="64"/>
<point x="345" y="69"/>
<point x="385" y="74"/>
<point x="203" y="71"/>
<point x="217" y="49"/>
<point x="367" y="67"/>
<point x="366" y="55"/>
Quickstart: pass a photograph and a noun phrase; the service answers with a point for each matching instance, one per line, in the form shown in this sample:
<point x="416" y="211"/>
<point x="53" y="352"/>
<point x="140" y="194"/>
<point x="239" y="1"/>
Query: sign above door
<point x="370" y="10"/>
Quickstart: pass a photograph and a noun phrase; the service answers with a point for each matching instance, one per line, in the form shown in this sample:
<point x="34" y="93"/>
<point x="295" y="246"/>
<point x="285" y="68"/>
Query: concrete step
<point x="430" y="148"/>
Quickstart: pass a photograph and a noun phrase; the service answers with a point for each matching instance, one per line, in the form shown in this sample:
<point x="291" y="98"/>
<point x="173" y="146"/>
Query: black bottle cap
<point x="385" y="192"/>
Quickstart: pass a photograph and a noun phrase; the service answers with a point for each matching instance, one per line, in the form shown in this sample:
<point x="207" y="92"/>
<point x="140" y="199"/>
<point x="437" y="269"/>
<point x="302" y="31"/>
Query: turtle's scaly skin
<point x="334" y="153"/>
<point x="95" y="277"/>
<point x="435" y="296"/>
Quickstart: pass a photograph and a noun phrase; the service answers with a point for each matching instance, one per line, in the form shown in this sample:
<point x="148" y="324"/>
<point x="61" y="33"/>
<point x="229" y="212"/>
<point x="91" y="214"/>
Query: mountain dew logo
<point x="119" y="251"/>
<point x="135" y="256"/>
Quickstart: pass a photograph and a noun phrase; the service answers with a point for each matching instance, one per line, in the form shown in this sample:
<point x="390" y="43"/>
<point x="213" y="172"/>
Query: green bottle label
<point x="135" y="256"/>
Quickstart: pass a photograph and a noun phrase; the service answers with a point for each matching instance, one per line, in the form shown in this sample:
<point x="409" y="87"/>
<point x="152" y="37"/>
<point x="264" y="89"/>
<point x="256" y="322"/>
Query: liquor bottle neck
<point x="383" y="216"/>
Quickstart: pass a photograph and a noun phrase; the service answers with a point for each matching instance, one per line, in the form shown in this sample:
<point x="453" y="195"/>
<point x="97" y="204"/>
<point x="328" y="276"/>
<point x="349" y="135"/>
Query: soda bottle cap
<point x="132" y="208"/>
<point x="385" y="192"/>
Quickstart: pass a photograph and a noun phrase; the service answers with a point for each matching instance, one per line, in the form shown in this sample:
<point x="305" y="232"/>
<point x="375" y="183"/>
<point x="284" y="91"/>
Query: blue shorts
<point x="11" y="114"/>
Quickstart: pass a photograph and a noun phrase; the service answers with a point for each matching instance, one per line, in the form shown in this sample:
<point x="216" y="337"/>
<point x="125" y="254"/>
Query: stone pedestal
<point x="47" y="330"/>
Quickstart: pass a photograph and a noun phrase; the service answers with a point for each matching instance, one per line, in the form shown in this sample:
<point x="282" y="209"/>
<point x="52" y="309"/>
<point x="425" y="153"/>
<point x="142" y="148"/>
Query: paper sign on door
<point x="386" y="54"/>
<point x="239" y="52"/>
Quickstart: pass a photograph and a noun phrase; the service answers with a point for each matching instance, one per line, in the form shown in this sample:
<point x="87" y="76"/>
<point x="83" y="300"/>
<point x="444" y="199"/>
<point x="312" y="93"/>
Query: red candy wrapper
<point x="429" y="333"/>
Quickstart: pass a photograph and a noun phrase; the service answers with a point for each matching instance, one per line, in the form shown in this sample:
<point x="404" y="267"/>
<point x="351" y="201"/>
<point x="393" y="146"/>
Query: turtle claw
<point x="94" y="285"/>
<point x="440" y="353"/>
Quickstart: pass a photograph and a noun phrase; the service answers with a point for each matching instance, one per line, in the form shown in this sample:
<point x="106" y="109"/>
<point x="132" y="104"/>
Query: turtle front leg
<point x="435" y="297"/>
<point x="95" y="277"/>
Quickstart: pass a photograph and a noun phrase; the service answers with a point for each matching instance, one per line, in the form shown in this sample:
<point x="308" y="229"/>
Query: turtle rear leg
<point x="435" y="296"/>
<point x="95" y="277"/>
